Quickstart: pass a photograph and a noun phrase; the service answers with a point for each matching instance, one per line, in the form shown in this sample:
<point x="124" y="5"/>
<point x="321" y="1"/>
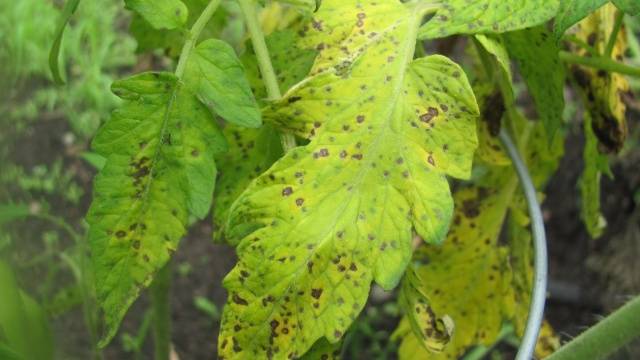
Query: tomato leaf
<point x="481" y="300"/>
<point x="594" y="165"/>
<point x="538" y="59"/>
<point x="332" y="216"/>
<point x="603" y="92"/>
<point x="54" y="53"/>
<point x="432" y="332"/>
<point x="571" y="12"/>
<point x="159" y="149"/>
<point x="631" y="7"/>
<point x="487" y="17"/>
<point x="251" y="152"/>
<point x="290" y="62"/>
<point x="323" y="350"/>
<point x="161" y="14"/>
<point x="217" y="77"/>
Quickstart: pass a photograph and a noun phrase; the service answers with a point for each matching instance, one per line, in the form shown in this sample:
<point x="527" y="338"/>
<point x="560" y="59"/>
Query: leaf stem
<point x="538" y="294"/>
<point x="617" y="25"/>
<point x="161" y="313"/>
<point x="264" y="62"/>
<point x="606" y="336"/>
<point x="194" y="34"/>
<point x="600" y="62"/>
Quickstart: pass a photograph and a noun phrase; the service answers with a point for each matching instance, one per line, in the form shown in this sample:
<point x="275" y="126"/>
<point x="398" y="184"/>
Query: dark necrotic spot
<point x="316" y="293"/>
<point x="238" y="300"/>
<point x="287" y="191"/>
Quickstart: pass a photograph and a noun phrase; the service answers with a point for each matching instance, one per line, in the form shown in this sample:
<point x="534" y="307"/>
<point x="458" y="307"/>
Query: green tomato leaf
<point x="631" y="7"/>
<point x="571" y="12"/>
<point x="225" y="24"/>
<point x="54" y="53"/>
<point x="149" y="39"/>
<point x="251" y="152"/>
<point x="538" y="59"/>
<point x="159" y="148"/>
<point x="495" y="46"/>
<point x="217" y="77"/>
<point x="161" y="14"/>
<point x="489" y="16"/>
<point x="332" y="216"/>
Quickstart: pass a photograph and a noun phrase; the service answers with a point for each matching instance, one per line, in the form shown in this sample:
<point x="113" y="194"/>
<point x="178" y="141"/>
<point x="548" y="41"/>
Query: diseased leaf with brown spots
<point x="323" y="350"/>
<point x="457" y="277"/>
<point x="491" y="67"/>
<point x="487" y="16"/>
<point x="251" y="152"/>
<point x="434" y="333"/>
<point x="468" y="277"/>
<point x="537" y="56"/>
<point x="158" y="158"/>
<point x="332" y="216"/>
<point x="603" y="90"/>
<point x="290" y="62"/>
<point x="159" y="149"/>
<point x="491" y="104"/>
<point x="605" y="127"/>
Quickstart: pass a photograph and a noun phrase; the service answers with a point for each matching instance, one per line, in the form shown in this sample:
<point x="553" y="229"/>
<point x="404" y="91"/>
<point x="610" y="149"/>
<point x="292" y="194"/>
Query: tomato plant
<point x="326" y="137"/>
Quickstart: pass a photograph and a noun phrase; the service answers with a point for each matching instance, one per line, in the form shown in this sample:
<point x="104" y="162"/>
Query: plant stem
<point x="264" y="62"/>
<point x="600" y="62"/>
<point x="614" y="34"/>
<point x="194" y="34"/>
<point x="583" y="44"/>
<point x="538" y="294"/>
<point x="161" y="313"/>
<point x="606" y="336"/>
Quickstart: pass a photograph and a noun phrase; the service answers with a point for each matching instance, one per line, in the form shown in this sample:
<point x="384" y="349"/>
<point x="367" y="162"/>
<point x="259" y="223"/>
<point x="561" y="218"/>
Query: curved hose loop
<point x="538" y="294"/>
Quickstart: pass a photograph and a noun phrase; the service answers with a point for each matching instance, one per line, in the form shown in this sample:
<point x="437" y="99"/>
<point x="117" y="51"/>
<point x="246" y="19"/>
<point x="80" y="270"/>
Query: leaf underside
<point x="331" y="217"/>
